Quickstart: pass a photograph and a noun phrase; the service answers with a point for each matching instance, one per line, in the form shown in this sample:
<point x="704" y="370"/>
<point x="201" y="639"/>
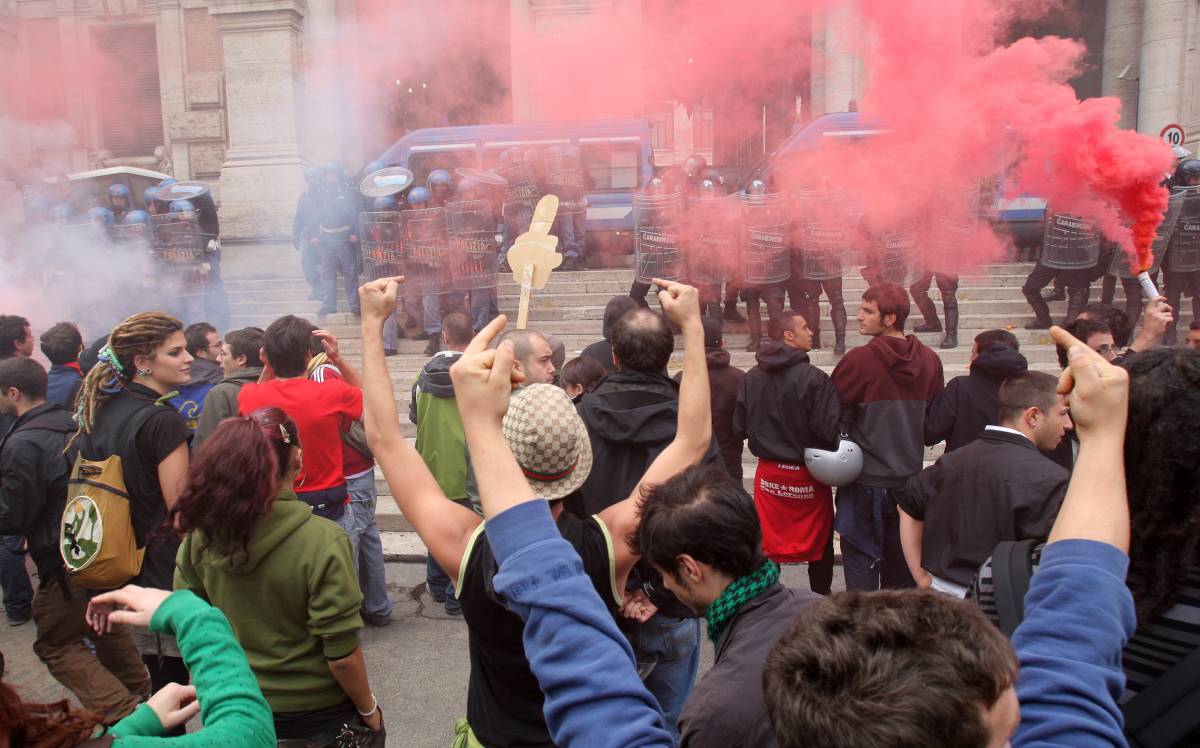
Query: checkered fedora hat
<point x="548" y="439"/>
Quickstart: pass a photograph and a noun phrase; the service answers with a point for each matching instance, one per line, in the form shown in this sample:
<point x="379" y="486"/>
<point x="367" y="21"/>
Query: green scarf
<point x="740" y="591"/>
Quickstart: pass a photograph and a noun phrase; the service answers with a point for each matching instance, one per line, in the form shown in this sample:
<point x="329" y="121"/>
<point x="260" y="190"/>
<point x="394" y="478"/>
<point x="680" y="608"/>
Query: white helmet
<point x="838" y="468"/>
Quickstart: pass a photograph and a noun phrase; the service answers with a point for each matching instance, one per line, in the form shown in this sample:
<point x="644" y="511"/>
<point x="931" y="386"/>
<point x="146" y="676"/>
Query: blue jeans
<point x="569" y="228"/>
<point x="310" y="264"/>
<point x="668" y="653"/>
<point x="437" y="580"/>
<point x="484" y="308"/>
<point x="365" y="546"/>
<point x="338" y="257"/>
<point x="869" y="524"/>
<point x="18" y="592"/>
<point x="391" y="332"/>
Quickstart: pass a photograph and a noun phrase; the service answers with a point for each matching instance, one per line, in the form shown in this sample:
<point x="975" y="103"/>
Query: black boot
<point x="812" y="315"/>
<point x="731" y="313"/>
<point x="1076" y="301"/>
<point x="838" y="315"/>
<point x="1057" y="294"/>
<point x="951" y="338"/>
<point x="755" y="320"/>
<point x="1041" y="312"/>
<point x="929" y="312"/>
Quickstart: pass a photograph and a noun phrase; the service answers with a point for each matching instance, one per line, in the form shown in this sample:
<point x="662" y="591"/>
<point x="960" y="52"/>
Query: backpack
<point x="1162" y="714"/>
<point x="98" y="545"/>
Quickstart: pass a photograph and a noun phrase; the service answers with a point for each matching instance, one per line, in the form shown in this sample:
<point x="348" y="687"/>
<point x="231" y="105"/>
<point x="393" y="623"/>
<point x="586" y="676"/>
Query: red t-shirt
<point x="318" y="410"/>
<point x="353" y="461"/>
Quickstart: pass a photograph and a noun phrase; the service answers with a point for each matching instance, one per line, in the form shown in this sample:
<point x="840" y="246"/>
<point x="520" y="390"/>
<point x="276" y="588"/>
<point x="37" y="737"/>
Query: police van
<point x="617" y="157"/>
<point x="1021" y="217"/>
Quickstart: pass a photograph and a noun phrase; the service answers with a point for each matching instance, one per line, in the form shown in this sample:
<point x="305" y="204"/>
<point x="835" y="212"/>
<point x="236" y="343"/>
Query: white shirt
<point x="1006" y="430"/>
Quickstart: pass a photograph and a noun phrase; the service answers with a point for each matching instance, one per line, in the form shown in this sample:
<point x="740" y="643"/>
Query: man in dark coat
<point x="785" y="406"/>
<point x="724" y="382"/>
<point x="601" y="350"/>
<point x="968" y="404"/>
<point x="999" y="487"/>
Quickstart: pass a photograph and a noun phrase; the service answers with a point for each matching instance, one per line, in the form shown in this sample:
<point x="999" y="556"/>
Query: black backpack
<point x="1161" y="715"/>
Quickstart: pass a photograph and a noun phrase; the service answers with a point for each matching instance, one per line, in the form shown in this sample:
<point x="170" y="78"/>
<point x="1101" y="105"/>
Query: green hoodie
<point x="440" y="439"/>
<point x="221" y="402"/>
<point x="293" y="602"/>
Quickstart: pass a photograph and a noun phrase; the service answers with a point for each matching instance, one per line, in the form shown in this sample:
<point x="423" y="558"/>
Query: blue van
<point x="1022" y="217"/>
<point x="617" y="155"/>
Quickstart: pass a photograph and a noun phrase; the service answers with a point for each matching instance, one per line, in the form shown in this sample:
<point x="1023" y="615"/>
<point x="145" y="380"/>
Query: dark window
<point x="662" y="125"/>
<point x="130" y="104"/>
<point x="423" y="162"/>
<point x="612" y="166"/>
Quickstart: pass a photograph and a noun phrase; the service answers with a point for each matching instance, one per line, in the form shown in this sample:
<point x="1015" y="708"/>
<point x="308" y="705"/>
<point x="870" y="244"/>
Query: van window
<point x="423" y="162"/>
<point x="610" y="167"/>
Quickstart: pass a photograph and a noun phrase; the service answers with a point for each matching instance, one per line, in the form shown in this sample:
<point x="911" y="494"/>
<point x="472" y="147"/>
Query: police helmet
<point x="149" y="195"/>
<point x="61" y="213"/>
<point x="168" y="182"/>
<point x="136" y="216"/>
<point x="418" y="197"/>
<point x="656" y="186"/>
<point x="373" y="167"/>
<point x="383" y="204"/>
<point x="312" y="175"/>
<point x="693" y="165"/>
<point x="707" y="188"/>
<point x="181" y="206"/>
<point x="757" y="187"/>
<point x="469" y="189"/>
<point x="334" y="167"/>
<point x="118" y="191"/>
<point x="100" y="215"/>
<point x="439" y="180"/>
<point x="515" y="155"/>
<point x="1187" y="173"/>
<point x="841" y="467"/>
<point x="712" y="175"/>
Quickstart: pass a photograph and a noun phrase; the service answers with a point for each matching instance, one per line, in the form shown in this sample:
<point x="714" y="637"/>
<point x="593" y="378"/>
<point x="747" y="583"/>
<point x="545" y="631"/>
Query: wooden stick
<point x="526" y="292"/>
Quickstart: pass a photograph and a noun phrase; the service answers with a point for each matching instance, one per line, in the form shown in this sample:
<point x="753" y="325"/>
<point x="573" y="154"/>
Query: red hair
<point x="233" y="479"/>
<point x="42" y="725"/>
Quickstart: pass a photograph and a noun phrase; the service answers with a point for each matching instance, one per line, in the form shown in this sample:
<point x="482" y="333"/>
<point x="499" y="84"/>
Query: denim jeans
<point x="310" y="264"/>
<point x="668" y="657"/>
<point x="18" y="592"/>
<point x="365" y="546"/>
<point x="441" y="589"/>
<point x="391" y="332"/>
<point x="569" y="228"/>
<point x="869" y="524"/>
<point x="484" y="308"/>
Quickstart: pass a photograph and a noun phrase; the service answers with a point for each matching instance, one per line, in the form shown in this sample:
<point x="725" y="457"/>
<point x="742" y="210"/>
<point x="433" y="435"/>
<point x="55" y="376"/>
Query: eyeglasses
<point x="1108" y="351"/>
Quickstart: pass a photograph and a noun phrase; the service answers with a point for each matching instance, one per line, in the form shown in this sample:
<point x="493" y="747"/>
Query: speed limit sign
<point x="1173" y="135"/>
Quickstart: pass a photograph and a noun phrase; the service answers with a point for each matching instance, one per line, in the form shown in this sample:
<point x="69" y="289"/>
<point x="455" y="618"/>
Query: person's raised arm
<point x="583" y="663"/>
<point x="693" y="432"/>
<point x="1078" y="612"/>
<point x="444" y="526"/>
<point x="1155" y="321"/>
<point x="333" y="352"/>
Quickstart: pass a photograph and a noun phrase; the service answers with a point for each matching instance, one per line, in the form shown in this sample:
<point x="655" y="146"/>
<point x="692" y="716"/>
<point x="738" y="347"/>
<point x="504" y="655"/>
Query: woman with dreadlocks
<point x="122" y="410"/>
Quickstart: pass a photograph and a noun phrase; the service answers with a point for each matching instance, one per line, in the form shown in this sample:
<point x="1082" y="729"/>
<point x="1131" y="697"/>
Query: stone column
<point x="1164" y="45"/>
<point x="1122" y="50"/>
<point x="842" y="74"/>
<point x="172" y="82"/>
<point x="262" y="175"/>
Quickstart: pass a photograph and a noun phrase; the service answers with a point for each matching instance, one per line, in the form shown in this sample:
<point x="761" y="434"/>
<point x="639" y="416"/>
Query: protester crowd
<point x="199" y="507"/>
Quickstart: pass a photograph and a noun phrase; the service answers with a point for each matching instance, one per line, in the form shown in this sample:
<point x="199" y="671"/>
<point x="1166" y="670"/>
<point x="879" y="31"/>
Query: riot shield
<point x="1120" y="267"/>
<point x="714" y="228"/>
<point x="766" y="258"/>
<point x="426" y="247"/>
<point x="564" y="178"/>
<point x="954" y="224"/>
<point x="471" y="230"/>
<point x="1069" y="242"/>
<point x="379" y="239"/>
<point x="180" y="249"/>
<point x="896" y="253"/>
<point x="522" y="183"/>
<point x="823" y="232"/>
<point x="658" y="224"/>
<point x="1184" y="253"/>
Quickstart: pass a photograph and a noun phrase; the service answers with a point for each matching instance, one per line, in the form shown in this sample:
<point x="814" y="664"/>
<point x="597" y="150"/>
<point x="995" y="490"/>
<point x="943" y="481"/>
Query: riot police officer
<point x="1181" y="266"/>
<point x="753" y="290"/>
<point x="335" y="239"/>
<point x="563" y="175"/>
<point x="150" y="200"/>
<point x="441" y="186"/>
<point x="120" y="200"/>
<point x="1065" y="235"/>
<point x="482" y="301"/>
<point x="818" y="265"/>
<point x="304" y="229"/>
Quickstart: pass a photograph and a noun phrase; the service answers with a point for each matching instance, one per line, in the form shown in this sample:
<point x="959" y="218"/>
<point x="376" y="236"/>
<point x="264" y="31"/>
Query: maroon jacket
<point x="885" y="388"/>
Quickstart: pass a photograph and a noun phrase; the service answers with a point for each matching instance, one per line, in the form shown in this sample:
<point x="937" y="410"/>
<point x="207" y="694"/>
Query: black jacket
<point x="998" y="487"/>
<point x="33" y="481"/>
<point x="969" y="403"/>
<point x="786" y="405"/>
<point x="724" y="383"/>
<point x="601" y="352"/>
<point x="726" y="707"/>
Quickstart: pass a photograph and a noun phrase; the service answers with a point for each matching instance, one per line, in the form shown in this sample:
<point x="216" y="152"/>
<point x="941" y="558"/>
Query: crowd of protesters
<point x="588" y="522"/>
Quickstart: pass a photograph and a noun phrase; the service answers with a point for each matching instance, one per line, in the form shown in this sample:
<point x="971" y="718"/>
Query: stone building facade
<point x="219" y="88"/>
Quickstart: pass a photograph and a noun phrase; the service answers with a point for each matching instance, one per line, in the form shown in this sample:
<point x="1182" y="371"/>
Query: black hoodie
<point x="970" y="403"/>
<point x="786" y="405"/>
<point x="33" y="481"/>
<point x="724" y="382"/>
